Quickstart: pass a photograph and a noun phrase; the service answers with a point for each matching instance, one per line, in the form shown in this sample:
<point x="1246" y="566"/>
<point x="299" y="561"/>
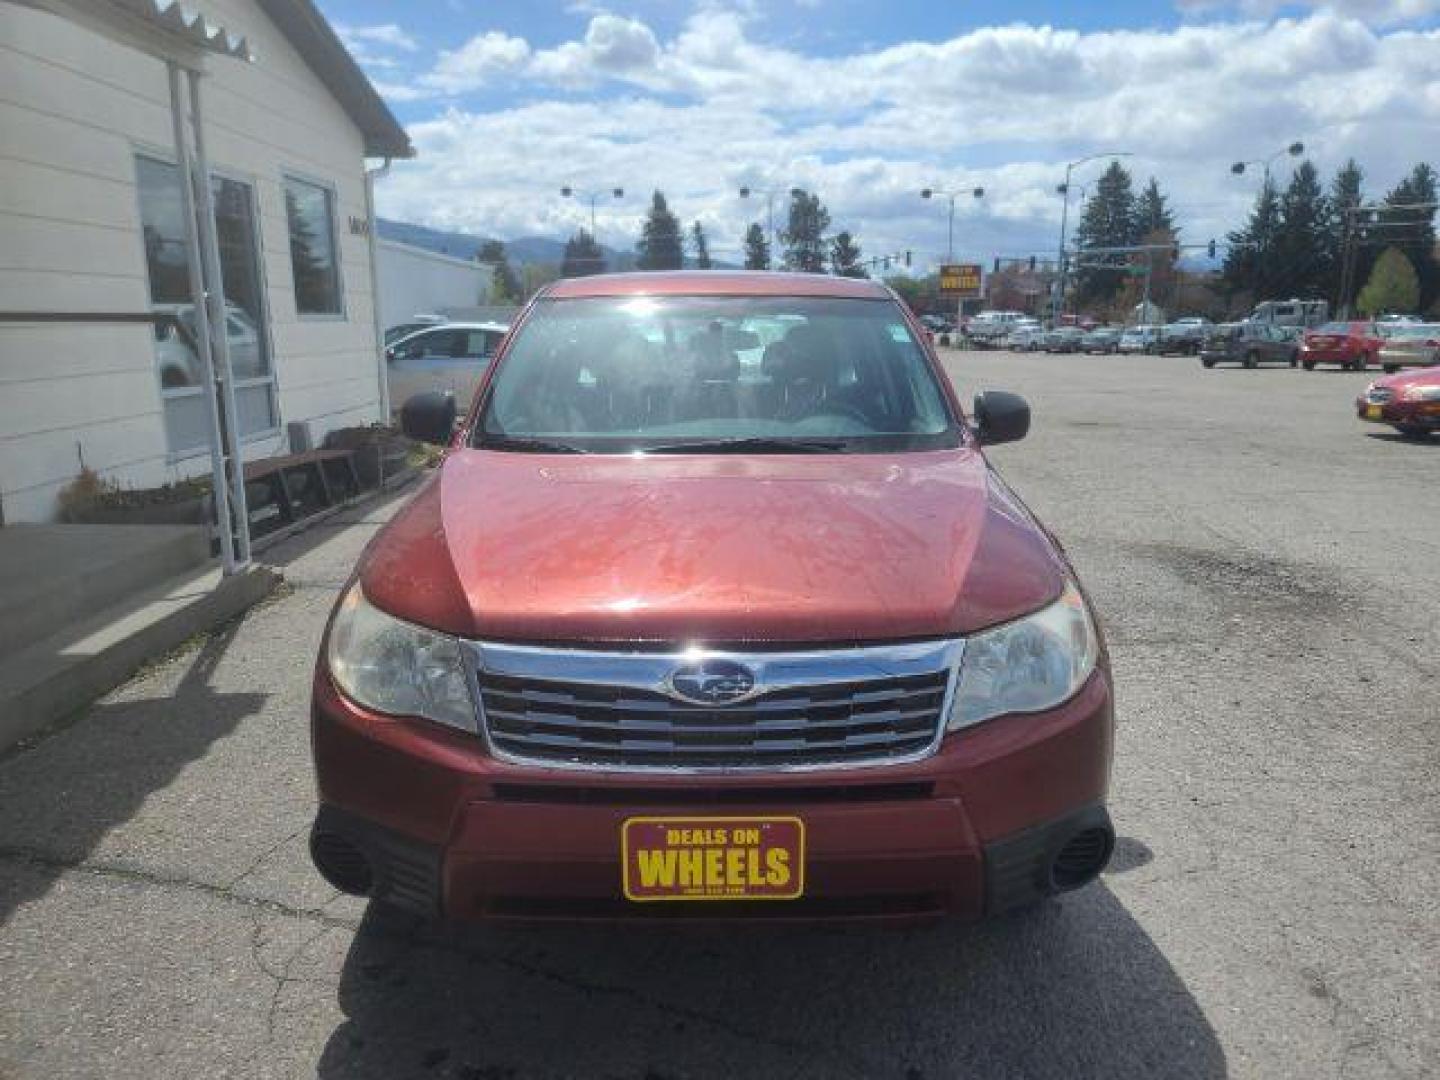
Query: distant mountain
<point x="525" y="251"/>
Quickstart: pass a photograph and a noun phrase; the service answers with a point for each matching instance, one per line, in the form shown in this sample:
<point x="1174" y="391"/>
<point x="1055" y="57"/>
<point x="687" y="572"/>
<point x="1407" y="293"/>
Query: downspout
<point x="371" y="175"/>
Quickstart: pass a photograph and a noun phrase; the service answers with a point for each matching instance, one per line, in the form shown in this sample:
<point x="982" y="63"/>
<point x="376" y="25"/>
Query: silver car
<point x="451" y="358"/>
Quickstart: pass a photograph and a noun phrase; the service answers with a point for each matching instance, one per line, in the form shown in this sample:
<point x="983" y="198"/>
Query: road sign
<point x="963" y="281"/>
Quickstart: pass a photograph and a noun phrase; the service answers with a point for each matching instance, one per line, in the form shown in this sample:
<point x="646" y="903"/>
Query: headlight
<point x="396" y="667"/>
<point x="1029" y="665"/>
<point x="1423" y="393"/>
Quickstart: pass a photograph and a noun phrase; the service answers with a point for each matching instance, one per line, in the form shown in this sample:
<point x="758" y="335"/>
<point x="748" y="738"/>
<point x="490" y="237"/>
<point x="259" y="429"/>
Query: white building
<point x="413" y="281"/>
<point x="94" y="241"/>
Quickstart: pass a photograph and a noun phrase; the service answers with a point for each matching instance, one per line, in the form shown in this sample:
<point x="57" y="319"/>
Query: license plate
<point x="1374" y="412"/>
<point x="713" y="858"/>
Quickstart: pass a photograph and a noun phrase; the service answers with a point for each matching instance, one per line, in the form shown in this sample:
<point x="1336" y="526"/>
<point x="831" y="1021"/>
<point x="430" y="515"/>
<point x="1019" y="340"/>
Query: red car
<point x="713" y="609"/>
<point x="1352" y="345"/>
<point x="1409" y="402"/>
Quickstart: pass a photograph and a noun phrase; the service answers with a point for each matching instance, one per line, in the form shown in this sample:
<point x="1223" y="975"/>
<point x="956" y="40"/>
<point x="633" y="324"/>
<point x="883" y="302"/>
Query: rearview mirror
<point x="1000" y="417"/>
<point x="429" y="417"/>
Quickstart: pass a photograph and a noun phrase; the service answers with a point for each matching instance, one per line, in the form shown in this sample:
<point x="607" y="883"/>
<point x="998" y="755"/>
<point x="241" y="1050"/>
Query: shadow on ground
<point x="59" y="799"/>
<point x="1075" y="988"/>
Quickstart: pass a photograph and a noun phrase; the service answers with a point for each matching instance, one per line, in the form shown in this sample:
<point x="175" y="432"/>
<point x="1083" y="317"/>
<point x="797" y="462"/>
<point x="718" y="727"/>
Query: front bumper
<point x="1416" y="414"/>
<point x="444" y="829"/>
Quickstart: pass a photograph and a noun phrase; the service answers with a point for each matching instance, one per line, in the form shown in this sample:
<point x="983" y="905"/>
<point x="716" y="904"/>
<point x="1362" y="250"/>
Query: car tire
<point x="1390" y="369"/>
<point x="1294" y="360"/>
<point x="1251" y="360"/>
<point x="1410" y="431"/>
<point x="1309" y="365"/>
<point x="1205" y="361"/>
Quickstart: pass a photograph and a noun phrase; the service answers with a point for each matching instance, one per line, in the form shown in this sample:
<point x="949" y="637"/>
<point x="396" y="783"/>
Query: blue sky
<point x="868" y="101"/>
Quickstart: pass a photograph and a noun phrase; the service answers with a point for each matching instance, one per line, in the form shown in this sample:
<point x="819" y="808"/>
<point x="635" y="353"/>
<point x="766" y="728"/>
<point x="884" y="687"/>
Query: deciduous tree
<point x="504" y="285"/>
<point x="845" y="257"/>
<point x="1393" y="286"/>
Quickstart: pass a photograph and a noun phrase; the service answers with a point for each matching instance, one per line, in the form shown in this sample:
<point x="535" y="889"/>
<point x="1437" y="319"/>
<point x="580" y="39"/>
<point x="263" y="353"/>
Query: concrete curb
<point x="51" y="679"/>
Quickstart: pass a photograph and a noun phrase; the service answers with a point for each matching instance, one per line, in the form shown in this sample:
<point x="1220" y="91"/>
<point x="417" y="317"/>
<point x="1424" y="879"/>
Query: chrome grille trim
<point x="812" y="710"/>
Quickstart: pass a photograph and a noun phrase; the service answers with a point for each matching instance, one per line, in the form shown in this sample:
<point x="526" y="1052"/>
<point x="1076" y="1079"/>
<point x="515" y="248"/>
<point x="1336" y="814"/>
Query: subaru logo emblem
<point x="712" y="682"/>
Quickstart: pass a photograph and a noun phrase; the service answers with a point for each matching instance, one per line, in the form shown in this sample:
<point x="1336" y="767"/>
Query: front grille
<point x="840" y="711"/>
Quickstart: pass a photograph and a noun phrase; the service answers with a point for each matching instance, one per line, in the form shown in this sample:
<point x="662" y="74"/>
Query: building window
<point x="310" y="211"/>
<point x="162" y="219"/>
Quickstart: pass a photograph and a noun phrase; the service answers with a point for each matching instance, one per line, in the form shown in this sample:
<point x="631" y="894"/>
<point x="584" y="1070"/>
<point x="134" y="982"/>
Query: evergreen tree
<point x="582" y="256"/>
<point x="1249" y="263"/>
<point x="1301" y="252"/>
<point x="504" y="285"/>
<point x="1393" y="286"/>
<point x="845" y="257"/>
<point x="1108" y="220"/>
<point x="757" y="248"/>
<point x="1152" y="212"/>
<point x="702" y="249"/>
<point x="804" y="235"/>
<point x="661" y="246"/>
<point x="1345" y="194"/>
<point x="1413" y="231"/>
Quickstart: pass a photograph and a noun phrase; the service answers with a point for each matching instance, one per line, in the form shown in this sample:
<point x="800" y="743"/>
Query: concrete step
<point x="54" y="575"/>
<point x="52" y="678"/>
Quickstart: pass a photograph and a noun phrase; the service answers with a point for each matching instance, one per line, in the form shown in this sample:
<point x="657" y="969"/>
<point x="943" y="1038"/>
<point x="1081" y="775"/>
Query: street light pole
<point x="770" y="193"/>
<point x="1295" y="149"/>
<point x="930" y="193"/>
<point x="569" y="192"/>
<point x="1058" y="306"/>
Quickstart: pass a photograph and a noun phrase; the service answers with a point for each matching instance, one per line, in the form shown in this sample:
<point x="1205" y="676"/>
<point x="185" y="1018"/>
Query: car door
<point x="1276" y="346"/>
<point x="422" y="362"/>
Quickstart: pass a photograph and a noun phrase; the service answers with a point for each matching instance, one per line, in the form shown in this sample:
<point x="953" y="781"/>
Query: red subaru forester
<point x="714" y="608"/>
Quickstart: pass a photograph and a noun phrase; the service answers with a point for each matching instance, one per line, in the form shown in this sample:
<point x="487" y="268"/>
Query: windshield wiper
<point x="526" y="444"/>
<point x="756" y="444"/>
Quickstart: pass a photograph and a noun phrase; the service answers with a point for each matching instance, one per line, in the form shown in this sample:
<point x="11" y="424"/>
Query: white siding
<point x="74" y="110"/>
<point x="415" y="281"/>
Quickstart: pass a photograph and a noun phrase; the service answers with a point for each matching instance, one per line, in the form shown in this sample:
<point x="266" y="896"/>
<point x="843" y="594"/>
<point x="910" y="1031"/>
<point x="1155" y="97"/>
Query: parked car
<point x="1250" y="344"/>
<point x="1409" y="345"/>
<point x="1352" y="345"/>
<point x="987" y="329"/>
<point x="649" y="600"/>
<point x="451" y="357"/>
<point x="1408" y="401"/>
<point x="175" y="345"/>
<point x="405" y="329"/>
<point x="1025" y="338"/>
<point x="1105" y="339"/>
<point x="1063" y="339"/>
<point x="1180" y="339"/>
<point x="937" y="324"/>
<point x="1139" y="339"/>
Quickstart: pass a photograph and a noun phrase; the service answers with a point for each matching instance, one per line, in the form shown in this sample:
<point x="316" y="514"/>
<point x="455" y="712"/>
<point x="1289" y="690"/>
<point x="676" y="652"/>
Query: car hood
<point x="1425" y="376"/>
<point x="719" y="549"/>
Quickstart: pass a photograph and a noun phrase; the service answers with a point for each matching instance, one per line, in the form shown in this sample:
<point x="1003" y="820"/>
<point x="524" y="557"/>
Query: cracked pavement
<point x="1261" y="562"/>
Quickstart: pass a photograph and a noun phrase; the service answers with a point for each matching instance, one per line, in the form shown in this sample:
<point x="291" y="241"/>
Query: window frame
<point x="332" y="203"/>
<point x="264" y="323"/>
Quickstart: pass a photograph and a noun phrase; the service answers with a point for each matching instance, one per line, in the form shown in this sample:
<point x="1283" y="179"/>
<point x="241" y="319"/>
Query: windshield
<point x="620" y="374"/>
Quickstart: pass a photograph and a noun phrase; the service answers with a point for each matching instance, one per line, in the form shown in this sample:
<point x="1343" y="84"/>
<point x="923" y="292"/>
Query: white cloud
<point x="713" y="107"/>
<point x="477" y="61"/>
<point x="1375" y="12"/>
<point x="387" y="34"/>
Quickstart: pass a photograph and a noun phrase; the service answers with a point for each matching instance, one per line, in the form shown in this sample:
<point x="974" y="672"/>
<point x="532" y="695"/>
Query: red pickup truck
<point x="713" y="609"/>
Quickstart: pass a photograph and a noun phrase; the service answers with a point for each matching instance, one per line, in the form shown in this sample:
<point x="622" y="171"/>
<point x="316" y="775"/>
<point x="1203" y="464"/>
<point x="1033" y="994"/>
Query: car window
<point x="632" y="373"/>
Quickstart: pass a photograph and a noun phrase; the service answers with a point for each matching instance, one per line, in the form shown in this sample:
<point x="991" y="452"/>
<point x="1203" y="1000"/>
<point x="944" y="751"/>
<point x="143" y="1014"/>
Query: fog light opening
<point x="1081" y="859"/>
<point x="341" y="863"/>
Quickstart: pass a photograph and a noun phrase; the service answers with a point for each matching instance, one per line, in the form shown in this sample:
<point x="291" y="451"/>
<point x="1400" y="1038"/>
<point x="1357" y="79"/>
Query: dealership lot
<point x="1264" y="565"/>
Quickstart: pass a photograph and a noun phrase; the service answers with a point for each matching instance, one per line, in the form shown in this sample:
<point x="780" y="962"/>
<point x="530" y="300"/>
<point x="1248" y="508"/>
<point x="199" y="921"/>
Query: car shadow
<point x="1401" y="440"/>
<point x="61" y="794"/>
<point x="1073" y="988"/>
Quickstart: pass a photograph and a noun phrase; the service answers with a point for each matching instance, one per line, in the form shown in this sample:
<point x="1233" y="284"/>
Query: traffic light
<point x="907" y="256"/>
<point x="1032" y="264"/>
<point x="1212" y="249"/>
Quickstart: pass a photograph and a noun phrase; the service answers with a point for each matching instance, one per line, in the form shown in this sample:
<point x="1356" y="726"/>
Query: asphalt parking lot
<point x="1264" y="565"/>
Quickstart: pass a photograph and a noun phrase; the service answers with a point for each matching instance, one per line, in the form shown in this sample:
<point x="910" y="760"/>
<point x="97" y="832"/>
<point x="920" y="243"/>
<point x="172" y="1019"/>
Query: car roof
<point x="716" y="283"/>
<point x="459" y="325"/>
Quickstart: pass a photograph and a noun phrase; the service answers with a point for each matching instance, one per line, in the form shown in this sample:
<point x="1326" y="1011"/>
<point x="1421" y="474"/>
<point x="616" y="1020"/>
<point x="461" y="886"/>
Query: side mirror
<point x="1000" y="417"/>
<point x="429" y="417"/>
